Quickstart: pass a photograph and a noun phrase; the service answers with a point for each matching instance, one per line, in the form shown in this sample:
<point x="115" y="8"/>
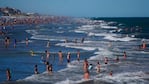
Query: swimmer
<point x="98" y="67"/>
<point x="82" y="40"/>
<point x="15" y="43"/>
<point x="8" y="74"/>
<point x="47" y="55"/>
<point x="106" y="60"/>
<point x="36" y="69"/>
<point x="143" y="45"/>
<point x="85" y="65"/>
<point x="78" y="56"/>
<point x="48" y="44"/>
<point x="43" y="60"/>
<point x="31" y="52"/>
<point x="111" y="73"/>
<point x="50" y="69"/>
<point x="60" y="54"/>
<point x="47" y="66"/>
<point x="117" y="59"/>
<point x="26" y="41"/>
<point x="68" y="58"/>
<point x="125" y="56"/>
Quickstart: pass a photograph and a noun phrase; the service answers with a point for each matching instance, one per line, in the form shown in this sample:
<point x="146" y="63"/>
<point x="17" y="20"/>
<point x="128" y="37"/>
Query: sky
<point x="82" y="8"/>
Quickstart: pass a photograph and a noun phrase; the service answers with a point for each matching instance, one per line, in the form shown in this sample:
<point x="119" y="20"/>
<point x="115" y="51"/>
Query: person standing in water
<point x="50" y="69"/>
<point x="47" y="55"/>
<point x="106" y="60"/>
<point x="15" y="43"/>
<point x="143" y="45"/>
<point x="125" y="56"/>
<point x="86" y="75"/>
<point x="78" y="56"/>
<point x="68" y="57"/>
<point x="60" y="54"/>
<point x="98" y="67"/>
<point x="36" y="69"/>
<point x="26" y="41"/>
<point x="85" y="65"/>
<point x="48" y="44"/>
<point x="8" y="74"/>
<point x="117" y="59"/>
<point x="82" y="40"/>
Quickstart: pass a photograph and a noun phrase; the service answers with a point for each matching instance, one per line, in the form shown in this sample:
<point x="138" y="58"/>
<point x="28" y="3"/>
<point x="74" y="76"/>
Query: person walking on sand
<point x="8" y="74"/>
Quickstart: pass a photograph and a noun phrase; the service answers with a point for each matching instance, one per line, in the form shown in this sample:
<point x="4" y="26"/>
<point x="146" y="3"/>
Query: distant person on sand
<point x="60" y="54"/>
<point x="68" y="57"/>
<point x="85" y="65"/>
<point x="8" y="74"/>
<point x="86" y="75"/>
<point x="36" y="69"/>
<point x="78" y="56"/>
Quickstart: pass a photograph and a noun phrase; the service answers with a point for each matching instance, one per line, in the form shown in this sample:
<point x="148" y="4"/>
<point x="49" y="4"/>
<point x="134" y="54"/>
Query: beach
<point x="103" y="37"/>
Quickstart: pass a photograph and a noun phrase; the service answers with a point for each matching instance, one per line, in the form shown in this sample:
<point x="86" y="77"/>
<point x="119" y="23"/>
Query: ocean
<point x="103" y="37"/>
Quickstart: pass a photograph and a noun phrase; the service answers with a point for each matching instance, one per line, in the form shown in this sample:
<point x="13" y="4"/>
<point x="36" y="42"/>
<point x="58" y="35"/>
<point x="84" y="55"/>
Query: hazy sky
<point x="83" y="8"/>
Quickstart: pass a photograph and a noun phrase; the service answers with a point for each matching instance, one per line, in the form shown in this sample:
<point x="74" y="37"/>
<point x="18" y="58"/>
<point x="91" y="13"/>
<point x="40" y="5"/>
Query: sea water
<point x="104" y="37"/>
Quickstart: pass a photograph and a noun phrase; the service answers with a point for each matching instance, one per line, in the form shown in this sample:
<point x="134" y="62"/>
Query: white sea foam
<point x="77" y="46"/>
<point x="108" y="27"/>
<point x="126" y="77"/>
<point x="47" y="37"/>
<point x="112" y="38"/>
<point x="32" y="32"/>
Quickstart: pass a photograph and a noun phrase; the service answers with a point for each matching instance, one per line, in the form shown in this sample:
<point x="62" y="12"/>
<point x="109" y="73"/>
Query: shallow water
<point x="107" y="39"/>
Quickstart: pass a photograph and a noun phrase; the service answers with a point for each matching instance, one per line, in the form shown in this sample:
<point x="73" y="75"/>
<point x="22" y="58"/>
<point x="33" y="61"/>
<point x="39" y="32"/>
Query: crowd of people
<point x="86" y="66"/>
<point x="49" y="67"/>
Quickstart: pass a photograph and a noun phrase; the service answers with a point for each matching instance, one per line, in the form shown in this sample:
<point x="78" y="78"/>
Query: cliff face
<point x="9" y="11"/>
